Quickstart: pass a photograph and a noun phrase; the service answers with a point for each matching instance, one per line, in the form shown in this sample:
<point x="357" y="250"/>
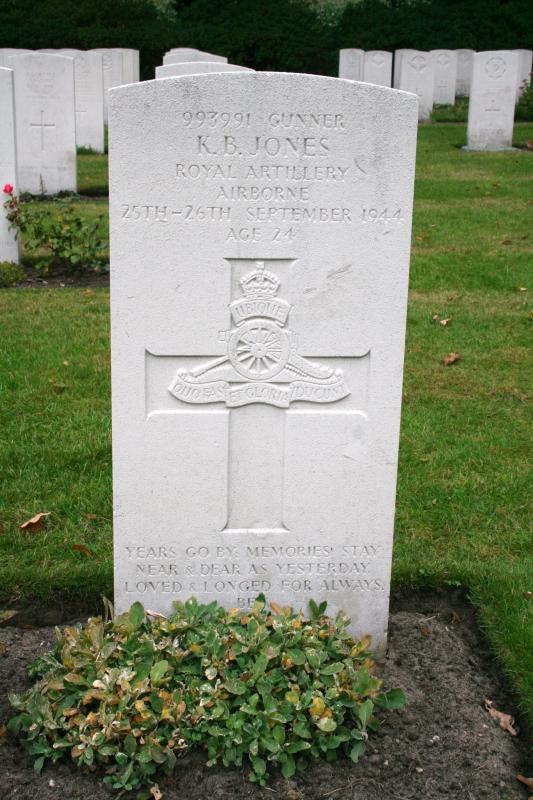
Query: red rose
<point x="8" y="189"/>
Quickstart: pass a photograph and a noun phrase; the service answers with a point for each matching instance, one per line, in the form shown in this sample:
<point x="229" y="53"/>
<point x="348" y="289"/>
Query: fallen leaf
<point x="425" y="631"/>
<point x="451" y="358"/>
<point x="88" y="291"/>
<point x="156" y="792"/>
<point x="505" y="721"/>
<point x="505" y="241"/>
<point x="59" y="387"/>
<point x="35" y="522"/>
<point x="526" y="781"/>
<point x="521" y="288"/>
<point x="81" y="548"/>
<point x="529" y="144"/>
<point x="445" y="321"/>
<point x="155" y="614"/>
<point x="66" y="363"/>
<point x="8" y="613"/>
<point x="528" y="595"/>
<point x="454" y="618"/>
<point x="90" y="516"/>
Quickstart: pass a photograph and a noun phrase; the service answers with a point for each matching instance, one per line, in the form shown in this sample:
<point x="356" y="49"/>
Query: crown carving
<point x="259" y="283"/>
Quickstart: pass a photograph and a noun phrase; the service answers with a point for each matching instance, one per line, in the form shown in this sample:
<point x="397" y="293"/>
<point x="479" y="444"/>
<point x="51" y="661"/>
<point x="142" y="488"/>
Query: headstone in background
<point x="181" y="54"/>
<point x="398" y="55"/>
<point x="197" y="68"/>
<point x="351" y="64"/>
<point x="524" y="70"/>
<point x="9" y="248"/>
<point x="89" y="87"/>
<point x="113" y="70"/>
<point x="45" y="122"/>
<point x="259" y="283"/>
<point x="136" y="66"/>
<point x="445" y="70"/>
<point x="377" y="67"/>
<point x="492" y="100"/>
<point x="7" y="52"/>
<point x="417" y="76"/>
<point x="129" y="65"/>
<point x="465" y="65"/>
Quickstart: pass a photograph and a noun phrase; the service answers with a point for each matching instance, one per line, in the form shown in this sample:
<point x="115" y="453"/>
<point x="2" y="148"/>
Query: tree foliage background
<point x="287" y="35"/>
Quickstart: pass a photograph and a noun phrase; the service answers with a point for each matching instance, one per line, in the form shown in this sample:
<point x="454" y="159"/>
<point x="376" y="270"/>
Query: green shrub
<point x="64" y="240"/>
<point x="10" y="273"/>
<point x="256" y="688"/>
<point x="524" y="109"/>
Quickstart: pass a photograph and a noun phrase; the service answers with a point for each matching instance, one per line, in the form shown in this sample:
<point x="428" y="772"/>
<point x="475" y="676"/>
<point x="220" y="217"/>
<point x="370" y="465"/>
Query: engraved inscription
<point x="495" y="67"/>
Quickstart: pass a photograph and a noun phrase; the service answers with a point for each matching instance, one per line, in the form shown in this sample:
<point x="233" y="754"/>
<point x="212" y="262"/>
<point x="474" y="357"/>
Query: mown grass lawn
<point x="465" y="485"/>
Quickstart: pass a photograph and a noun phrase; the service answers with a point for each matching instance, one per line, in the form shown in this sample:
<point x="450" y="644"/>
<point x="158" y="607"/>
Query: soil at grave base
<point x="442" y="745"/>
<point x="61" y="280"/>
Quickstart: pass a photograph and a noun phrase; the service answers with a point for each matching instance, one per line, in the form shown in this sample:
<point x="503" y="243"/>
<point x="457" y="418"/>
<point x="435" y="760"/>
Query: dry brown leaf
<point x="454" y="618"/>
<point x="35" y="522"/>
<point x="526" y="781"/>
<point x="156" y="792"/>
<point x="505" y="721"/>
<point x="505" y="241"/>
<point x="81" y="548"/>
<point x="451" y="358"/>
<point x="425" y="631"/>
<point x="90" y="516"/>
<point x="529" y="144"/>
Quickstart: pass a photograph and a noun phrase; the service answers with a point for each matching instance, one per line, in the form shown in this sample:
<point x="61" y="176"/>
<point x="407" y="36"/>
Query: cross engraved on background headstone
<point x="42" y="125"/>
<point x="260" y="376"/>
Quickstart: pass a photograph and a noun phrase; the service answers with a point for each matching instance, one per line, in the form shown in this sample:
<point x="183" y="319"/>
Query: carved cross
<point x="42" y="125"/>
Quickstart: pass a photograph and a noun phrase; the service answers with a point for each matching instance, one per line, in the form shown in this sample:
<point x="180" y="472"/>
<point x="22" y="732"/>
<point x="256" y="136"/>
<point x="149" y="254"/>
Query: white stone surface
<point x="89" y="87"/>
<point x="113" y="70"/>
<point x="45" y="122"/>
<point x="180" y="54"/>
<point x="260" y="237"/>
<point x="351" y="61"/>
<point x="7" y="52"/>
<point x="492" y="100"/>
<point x="465" y="65"/>
<point x="197" y="68"/>
<point x="398" y="55"/>
<point x="417" y="76"/>
<point x="524" y="70"/>
<point x="445" y="70"/>
<point x="9" y="249"/>
<point x="377" y="67"/>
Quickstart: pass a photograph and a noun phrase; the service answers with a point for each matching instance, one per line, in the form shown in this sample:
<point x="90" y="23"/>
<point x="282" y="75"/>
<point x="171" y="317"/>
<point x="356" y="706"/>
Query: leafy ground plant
<point x="263" y="687"/>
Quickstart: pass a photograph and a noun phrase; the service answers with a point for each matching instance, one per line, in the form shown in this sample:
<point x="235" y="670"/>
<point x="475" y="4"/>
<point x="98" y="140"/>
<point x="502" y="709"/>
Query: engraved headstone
<point x="351" y="64"/>
<point x="377" y="67"/>
<point x="89" y="87"/>
<point x="181" y="54"/>
<point x="465" y="64"/>
<point x="45" y="122"/>
<point x="445" y="71"/>
<point x="417" y="76"/>
<point x="492" y="100"/>
<point x="7" y="52"/>
<point x="113" y="65"/>
<point x="260" y="236"/>
<point x="9" y="249"/>
<point x="524" y="70"/>
<point x="197" y="68"/>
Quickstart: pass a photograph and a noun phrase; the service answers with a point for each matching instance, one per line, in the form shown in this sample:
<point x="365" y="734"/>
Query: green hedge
<point x="289" y="35"/>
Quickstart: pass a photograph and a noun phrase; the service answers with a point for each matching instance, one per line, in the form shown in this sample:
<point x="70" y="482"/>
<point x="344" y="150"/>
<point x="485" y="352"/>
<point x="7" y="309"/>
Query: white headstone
<point x="197" y="68"/>
<point x="180" y="54"/>
<point x="89" y="85"/>
<point x="445" y="70"/>
<point x="45" y="122"/>
<point x="417" y="76"/>
<point x="492" y="100"/>
<point x="465" y="65"/>
<point x="7" y="52"/>
<point x="136" y="66"/>
<point x="260" y="237"/>
<point x="524" y="70"/>
<point x="9" y="249"/>
<point x="398" y="55"/>
<point x="129" y="65"/>
<point x="113" y="70"/>
<point x="377" y="67"/>
<point x="351" y="64"/>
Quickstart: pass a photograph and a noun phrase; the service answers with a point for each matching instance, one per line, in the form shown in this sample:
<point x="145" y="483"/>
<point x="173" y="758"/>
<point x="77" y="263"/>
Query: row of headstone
<point x="257" y="366"/>
<point x="451" y="70"/>
<point x="189" y="61"/>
